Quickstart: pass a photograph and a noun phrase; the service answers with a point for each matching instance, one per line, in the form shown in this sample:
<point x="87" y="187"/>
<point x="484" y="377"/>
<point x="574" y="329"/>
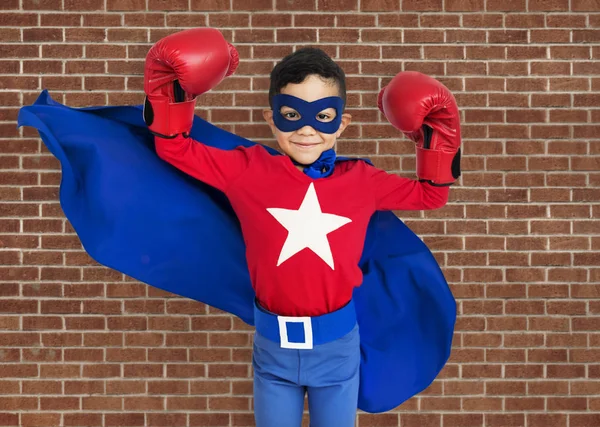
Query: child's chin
<point x="306" y="159"/>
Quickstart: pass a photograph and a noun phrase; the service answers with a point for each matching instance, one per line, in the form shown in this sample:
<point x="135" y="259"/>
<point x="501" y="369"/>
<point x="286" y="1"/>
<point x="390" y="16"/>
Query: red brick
<point x="124" y="419"/>
<point x="210" y="5"/>
<point x="42" y="4"/>
<point x="10" y="4"/>
<point x="217" y="19"/>
<point x="337" y="5"/>
<point x="168" y="5"/>
<point x="80" y="419"/>
<point x="302" y="5"/>
<point x="239" y="5"/>
<point x="40" y="419"/>
<point x="210" y="419"/>
<point x="125" y="5"/>
<point x="420" y="5"/>
<point x="380" y="5"/>
<point x="506" y="5"/>
<point x="297" y="35"/>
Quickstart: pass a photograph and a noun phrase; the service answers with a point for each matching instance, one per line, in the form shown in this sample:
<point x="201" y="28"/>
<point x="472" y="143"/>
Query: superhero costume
<point x="303" y="236"/>
<point x="140" y="216"/>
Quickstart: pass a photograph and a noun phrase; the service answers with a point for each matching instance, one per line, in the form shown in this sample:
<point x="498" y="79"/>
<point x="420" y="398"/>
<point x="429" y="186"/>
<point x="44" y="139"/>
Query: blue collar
<point x="325" y="164"/>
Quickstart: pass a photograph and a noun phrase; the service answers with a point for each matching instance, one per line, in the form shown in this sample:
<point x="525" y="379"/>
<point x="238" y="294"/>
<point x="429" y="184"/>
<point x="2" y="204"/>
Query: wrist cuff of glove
<point x="438" y="167"/>
<point x="168" y="119"/>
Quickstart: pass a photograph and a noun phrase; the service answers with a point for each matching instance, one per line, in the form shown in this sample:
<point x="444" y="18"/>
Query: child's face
<point x="306" y="144"/>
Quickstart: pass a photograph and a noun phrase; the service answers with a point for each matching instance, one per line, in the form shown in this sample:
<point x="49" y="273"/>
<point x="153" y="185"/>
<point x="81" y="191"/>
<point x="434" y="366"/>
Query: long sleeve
<point x="213" y="166"/>
<point x="393" y="192"/>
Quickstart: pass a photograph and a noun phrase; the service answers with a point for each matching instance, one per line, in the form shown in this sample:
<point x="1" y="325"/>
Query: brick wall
<point x="82" y="345"/>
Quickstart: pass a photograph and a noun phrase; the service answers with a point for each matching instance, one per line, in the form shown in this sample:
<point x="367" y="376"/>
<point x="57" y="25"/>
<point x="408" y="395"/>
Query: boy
<point x="303" y="216"/>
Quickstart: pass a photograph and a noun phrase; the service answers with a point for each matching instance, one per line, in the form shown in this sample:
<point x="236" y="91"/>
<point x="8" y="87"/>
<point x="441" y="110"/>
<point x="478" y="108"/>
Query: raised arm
<point x="178" y="68"/>
<point x="426" y="112"/>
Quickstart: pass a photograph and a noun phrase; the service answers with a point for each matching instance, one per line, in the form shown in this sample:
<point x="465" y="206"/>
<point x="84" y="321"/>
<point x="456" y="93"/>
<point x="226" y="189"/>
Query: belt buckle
<point x="283" y="335"/>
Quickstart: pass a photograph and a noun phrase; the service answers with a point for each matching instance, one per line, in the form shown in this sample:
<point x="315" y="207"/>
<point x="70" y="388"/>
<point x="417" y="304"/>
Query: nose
<point x="306" y="130"/>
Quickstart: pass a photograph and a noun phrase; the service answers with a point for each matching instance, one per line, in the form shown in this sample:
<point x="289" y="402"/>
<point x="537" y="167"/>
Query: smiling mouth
<point x="305" y="144"/>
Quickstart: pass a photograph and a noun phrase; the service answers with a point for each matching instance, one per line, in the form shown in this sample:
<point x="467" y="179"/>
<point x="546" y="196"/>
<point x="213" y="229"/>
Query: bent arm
<point x="393" y="192"/>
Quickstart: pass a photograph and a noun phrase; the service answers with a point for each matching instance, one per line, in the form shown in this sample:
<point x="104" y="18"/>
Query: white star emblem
<point x="308" y="228"/>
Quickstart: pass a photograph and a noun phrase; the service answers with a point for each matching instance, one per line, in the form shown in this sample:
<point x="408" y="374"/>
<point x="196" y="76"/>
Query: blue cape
<point x="139" y="215"/>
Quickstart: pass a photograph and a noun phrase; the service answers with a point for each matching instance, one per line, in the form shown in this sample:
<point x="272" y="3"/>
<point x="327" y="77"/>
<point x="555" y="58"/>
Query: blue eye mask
<point x="308" y="113"/>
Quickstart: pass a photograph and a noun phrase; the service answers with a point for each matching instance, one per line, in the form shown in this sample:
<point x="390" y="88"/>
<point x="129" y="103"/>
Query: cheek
<point x="328" y="139"/>
<point x="283" y="137"/>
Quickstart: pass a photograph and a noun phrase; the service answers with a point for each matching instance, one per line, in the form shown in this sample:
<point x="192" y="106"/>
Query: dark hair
<point x="295" y="67"/>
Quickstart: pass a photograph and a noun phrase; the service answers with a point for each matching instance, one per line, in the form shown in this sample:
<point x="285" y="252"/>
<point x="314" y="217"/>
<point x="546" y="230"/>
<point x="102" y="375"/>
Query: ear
<point x="268" y="115"/>
<point x="346" y="119"/>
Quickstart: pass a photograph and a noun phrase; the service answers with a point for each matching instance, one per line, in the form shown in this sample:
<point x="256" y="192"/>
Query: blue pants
<point x="329" y="373"/>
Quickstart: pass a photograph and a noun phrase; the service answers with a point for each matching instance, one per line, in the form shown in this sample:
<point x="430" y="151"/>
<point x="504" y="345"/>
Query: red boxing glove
<point x="178" y="68"/>
<point x="426" y="112"/>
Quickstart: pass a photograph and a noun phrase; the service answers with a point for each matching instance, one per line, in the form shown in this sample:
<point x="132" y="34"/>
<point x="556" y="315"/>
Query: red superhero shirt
<point x="304" y="237"/>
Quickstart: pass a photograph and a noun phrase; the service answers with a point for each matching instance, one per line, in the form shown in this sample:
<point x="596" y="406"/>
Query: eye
<point x="326" y="115"/>
<point x="291" y="115"/>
